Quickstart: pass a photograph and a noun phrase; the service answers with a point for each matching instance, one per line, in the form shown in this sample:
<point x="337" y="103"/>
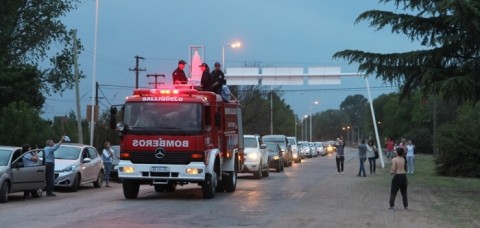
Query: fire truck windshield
<point x="164" y="117"/>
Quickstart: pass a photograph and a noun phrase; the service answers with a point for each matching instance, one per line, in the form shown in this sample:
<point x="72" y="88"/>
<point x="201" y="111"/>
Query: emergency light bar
<point x="156" y="92"/>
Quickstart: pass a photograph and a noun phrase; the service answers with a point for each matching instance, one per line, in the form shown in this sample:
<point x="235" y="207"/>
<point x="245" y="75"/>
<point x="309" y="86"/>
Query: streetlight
<point x="303" y="127"/>
<point x="232" y="45"/>
<point x="315" y="102"/>
<point x="347" y="128"/>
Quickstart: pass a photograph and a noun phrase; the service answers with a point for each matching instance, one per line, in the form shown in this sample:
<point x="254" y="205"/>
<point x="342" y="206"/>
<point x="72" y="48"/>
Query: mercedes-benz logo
<point x="160" y="153"/>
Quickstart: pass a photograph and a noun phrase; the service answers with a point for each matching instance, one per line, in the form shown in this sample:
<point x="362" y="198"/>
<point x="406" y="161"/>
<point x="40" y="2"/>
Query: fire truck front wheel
<point x="130" y="189"/>
<point x="209" y="185"/>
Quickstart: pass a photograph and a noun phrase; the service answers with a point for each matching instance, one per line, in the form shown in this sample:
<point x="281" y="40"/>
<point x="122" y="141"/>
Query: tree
<point x="448" y="65"/>
<point x="459" y="144"/>
<point x="353" y="106"/>
<point x="21" y="83"/>
<point x="20" y="124"/>
<point x="28" y="31"/>
<point x="328" y="125"/>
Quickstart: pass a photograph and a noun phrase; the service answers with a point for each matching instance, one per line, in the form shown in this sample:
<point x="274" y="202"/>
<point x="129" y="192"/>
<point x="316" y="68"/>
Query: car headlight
<point x="252" y="156"/>
<point x="69" y="168"/>
<point x="276" y="157"/>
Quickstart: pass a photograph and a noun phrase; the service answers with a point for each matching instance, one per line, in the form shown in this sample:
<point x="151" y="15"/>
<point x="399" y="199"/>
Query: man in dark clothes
<point x="218" y="79"/>
<point x="178" y="76"/>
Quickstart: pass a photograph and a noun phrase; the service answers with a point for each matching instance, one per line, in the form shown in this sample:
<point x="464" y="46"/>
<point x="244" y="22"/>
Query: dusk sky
<point x="279" y="33"/>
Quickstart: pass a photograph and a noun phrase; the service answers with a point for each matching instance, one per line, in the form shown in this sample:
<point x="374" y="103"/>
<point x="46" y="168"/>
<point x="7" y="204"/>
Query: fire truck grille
<point x="178" y="158"/>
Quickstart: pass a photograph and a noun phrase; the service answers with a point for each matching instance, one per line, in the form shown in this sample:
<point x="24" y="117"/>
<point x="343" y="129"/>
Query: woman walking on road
<point x="399" y="181"/>
<point x="362" y="156"/>
<point x="340" y="158"/>
<point x="371" y="156"/>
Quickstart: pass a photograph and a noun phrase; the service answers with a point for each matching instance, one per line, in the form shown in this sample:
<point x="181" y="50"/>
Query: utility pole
<point x="137" y="69"/>
<point x="77" y="88"/>
<point x="156" y="76"/>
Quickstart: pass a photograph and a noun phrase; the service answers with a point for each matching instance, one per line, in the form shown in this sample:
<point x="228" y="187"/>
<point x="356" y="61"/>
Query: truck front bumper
<point x="192" y="172"/>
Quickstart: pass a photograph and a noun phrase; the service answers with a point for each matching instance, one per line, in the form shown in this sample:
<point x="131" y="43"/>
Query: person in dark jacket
<point x="206" y="81"/>
<point x="362" y="155"/>
<point x="218" y="79"/>
<point x="178" y="76"/>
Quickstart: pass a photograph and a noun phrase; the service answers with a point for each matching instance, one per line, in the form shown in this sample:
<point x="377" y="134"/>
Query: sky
<point x="279" y="33"/>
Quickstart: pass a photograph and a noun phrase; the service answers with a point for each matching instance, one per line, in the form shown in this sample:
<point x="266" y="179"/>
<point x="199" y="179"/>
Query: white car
<point x="320" y="149"/>
<point x="305" y="149"/>
<point x="77" y="164"/>
<point x="296" y="153"/>
<point x="256" y="157"/>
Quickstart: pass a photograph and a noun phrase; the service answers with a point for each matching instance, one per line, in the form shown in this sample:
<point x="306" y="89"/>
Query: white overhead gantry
<point x="279" y="76"/>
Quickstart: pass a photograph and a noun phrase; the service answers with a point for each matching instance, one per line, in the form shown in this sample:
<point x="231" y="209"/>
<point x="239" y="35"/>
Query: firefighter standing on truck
<point x="178" y="76"/>
<point x="218" y="79"/>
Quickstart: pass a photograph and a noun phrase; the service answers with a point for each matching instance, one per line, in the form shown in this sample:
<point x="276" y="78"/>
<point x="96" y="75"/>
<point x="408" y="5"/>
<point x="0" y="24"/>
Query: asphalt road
<point x="255" y="203"/>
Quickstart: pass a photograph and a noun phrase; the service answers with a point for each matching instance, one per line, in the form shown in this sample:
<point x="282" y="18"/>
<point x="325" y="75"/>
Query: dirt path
<point x="351" y="201"/>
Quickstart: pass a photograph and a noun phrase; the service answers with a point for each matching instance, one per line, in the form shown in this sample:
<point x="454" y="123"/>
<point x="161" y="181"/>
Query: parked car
<point x="15" y="177"/>
<point x="282" y="140"/>
<point x="77" y="164"/>
<point x="116" y="159"/>
<point x="256" y="157"/>
<point x="305" y="149"/>
<point x="331" y="147"/>
<point x="320" y="148"/>
<point x="275" y="156"/>
<point x="292" y="141"/>
<point x="313" y="149"/>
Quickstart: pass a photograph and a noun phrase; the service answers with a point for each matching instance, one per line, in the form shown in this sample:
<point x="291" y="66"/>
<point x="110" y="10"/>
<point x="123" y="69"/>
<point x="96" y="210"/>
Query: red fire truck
<point x="179" y="135"/>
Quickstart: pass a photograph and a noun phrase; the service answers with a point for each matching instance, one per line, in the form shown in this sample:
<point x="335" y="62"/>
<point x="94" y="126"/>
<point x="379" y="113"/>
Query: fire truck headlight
<point x="193" y="171"/>
<point x="126" y="169"/>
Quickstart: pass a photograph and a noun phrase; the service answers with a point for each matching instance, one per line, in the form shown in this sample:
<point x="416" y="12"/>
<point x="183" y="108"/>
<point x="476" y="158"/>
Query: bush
<point x="459" y="144"/>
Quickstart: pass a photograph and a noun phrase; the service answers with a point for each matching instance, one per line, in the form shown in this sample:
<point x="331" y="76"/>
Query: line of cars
<point x="75" y="165"/>
<point x="267" y="152"/>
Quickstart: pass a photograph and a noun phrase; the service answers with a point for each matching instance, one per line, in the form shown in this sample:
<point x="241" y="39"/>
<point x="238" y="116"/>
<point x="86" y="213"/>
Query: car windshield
<point x="68" y="153"/>
<point x="4" y="157"/>
<point x="272" y="148"/>
<point x="250" y="142"/>
<point x="180" y="117"/>
<point x="291" y="141"/>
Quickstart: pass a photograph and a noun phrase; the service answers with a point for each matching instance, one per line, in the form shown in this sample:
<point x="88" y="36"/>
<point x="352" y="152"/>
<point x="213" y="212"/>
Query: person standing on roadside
<point x="340" y="158"/>
<point x="399" y="181"/>
<point x="362" y="156"/>
<point x="371" y="156"/>
<point x="49" y="150"/>
<point x="178" y="75"/>
<point x="410" y="155"/>
<point x="107" y="158"/>
<point x="390" y="147"/>
<point x="30" y="159"/>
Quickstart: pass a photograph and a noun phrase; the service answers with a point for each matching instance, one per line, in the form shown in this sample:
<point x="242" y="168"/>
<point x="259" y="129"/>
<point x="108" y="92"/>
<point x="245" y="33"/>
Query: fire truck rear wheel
<point x="231" y="181"/>
<point x="130" y="189"/>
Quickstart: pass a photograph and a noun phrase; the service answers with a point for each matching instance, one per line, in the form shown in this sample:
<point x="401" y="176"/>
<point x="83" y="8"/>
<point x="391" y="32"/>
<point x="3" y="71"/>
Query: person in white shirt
<point x="410" y="155"/>
<point x="107" y="158"/>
